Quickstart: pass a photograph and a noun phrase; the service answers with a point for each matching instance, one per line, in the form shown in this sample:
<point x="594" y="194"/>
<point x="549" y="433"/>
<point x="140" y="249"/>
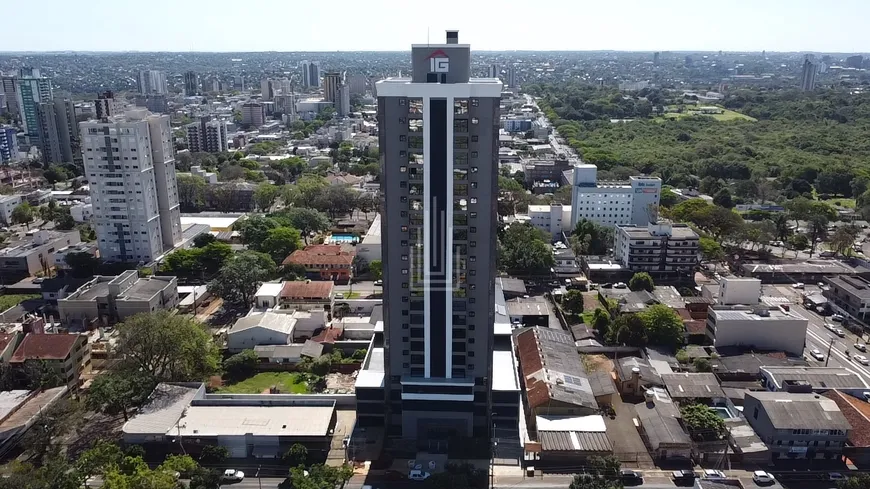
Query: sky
<point x="393" y="25"/>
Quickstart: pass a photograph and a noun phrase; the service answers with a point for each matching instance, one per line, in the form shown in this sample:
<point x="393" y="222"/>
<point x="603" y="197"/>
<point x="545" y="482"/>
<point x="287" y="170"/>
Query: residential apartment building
<point x="439" y="243"/>
<point x="310" y="74"/>
<point x="104" y="105"/>
<point x="332" y="82"/>
<point x="665" y="250"/>
<point x="613" y="203"/>
<point x="191" y="84"/>
<point x="8" y="144"/>
<point x="9" y="87"/>
<point x="34" y="252"/>
<point x="209" y="136"/>
<point x="152" y="82"/>
<point x="130" y="163"/>
<point x="797" y="426"/>
<point x="324" y="262"/>
<point x="850" y="294"/>
<point x="68" y="355"/>
<point x="808" y="75"/>
<point x="253" y="114"/>
<point x="8" y="203"/>
<point x="109" y="299"/>
<point x="58" y="129"/>
<point x="30" y="92"/>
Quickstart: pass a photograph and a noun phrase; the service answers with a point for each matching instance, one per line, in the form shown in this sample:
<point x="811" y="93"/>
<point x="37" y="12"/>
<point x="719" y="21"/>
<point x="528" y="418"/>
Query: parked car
<point x="761" y="477"/>
<point x="684" y="476"/>
<point x="233" y="475"/>
<point x="836" y="476"/>
<point x="418" y="475"/>
<point x="839" y="332"/>
<point x="714" y="474"/>
<point x="860" y="347"/>
<point x="631" y="477"/>
<point x="379" y="283"/>
<point x="798" y="285"/>
<point x="838" y="317"/>
<point x="861" y="359"/>
<point x="619" y="285"/>
<point x="815" y="353"/>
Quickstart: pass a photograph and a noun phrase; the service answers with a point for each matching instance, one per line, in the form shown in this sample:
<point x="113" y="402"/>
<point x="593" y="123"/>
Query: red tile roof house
<point x="308" y="292"/>
<point x="857" y="413"/>
<point x="67" y="354"/>
<point x="324" y="262"/>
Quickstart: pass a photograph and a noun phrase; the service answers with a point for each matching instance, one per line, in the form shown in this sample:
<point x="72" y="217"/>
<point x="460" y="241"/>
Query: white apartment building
<point x="130" y="165"/>
<point x="759" y="327"/>
<point x="208" y="137"/>
<point x="663" y="249"/>
<point x="152" y="82"/>
<point x="8" y="203"/>
<point x="613" y="203"/>
<point x="554" y="219"/>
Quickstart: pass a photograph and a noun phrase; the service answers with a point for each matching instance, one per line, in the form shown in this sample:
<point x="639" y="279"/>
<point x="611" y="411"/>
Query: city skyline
<point x="775" y="26"/>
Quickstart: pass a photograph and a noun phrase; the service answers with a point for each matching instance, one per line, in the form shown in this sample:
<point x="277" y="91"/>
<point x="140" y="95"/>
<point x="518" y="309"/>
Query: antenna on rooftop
<point x="427" y="35"/>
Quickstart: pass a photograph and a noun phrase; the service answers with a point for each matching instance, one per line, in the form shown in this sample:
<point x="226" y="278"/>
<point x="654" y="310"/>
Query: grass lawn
<point x="287" y="382"/>
<point x="7" y="301"/>
<point x="841" y="202"/>
<point x="587" y="317"/>
<point x="352" y="295"/>
<point x="728" y="115"/>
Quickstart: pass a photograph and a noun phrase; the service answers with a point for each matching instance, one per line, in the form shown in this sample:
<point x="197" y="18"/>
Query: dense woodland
<point x="811" y="144"/>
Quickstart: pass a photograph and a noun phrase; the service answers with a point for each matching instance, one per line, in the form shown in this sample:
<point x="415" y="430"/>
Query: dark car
<point x="684" y="477"/>
<point x="631" y="477"/>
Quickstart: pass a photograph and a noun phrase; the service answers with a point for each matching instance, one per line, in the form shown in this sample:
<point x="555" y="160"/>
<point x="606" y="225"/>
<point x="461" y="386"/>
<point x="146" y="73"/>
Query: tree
<point x="723" y="198"/>
<point x="668" y="198"/>
<point x="627" y="329"/>
<point x="203" y="478"/>
<point x="56" y="173"/>
<point x="525" y="250"/>
<point x="572" y="301"/>
<point x="241" y="276"/>
<point x="254" y="230"/>
<point x="336" y="200"/>
<point x="242" y="364"/>
<point x="82" y="265"/>
<point x="601" y="320"/>
<point x="280" y="242"/>
<point x="317" y="477"/>
<point x="664" y="325"/>
<point x="368" y="202"/>
<point x="703" y="365"/>
<point x="307" y="188"/>
<point x="586" y="481"/>
<point x="711" y="250"/>
<point x="641" y="281"/>
<point x="798" y="242"/>
<point x="265" y="196"/>
<point x="214" y="455"/>
<point x="22" y="214"/>
<point x="54" y="422"/>
<point x="591" y="238"/>
<point x="607" y="467"/>
<point x="201" y="240"/>
<point x="376" y="268"/>
<point x="857" y="481"/>
<point x="184" y="465"/>
<point x="192" y="191"/>
<point x="167" y="347"/>
<point x="117" y="392"/>
<point x="64" y="221"/>
<point x="817" y="230"/>
<point x="296" y="455"/>
<point x="844" y="238"/>
<point x="307" y="221"/>
<point x="703" y="422"/>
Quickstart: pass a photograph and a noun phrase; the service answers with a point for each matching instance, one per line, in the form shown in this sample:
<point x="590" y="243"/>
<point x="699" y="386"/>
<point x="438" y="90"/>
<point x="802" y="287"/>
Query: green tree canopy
<point x="306" y="220"/>
<point x="525" y="250"/>
<point x="241" y="276"/>
<point x="641" y="281"/>
<point x="703" y="422"/>
<point x="280" y="242"/>
<point x="572" y="301"/>
<point x="22" y="214"/>
<point x="664" y="325"/>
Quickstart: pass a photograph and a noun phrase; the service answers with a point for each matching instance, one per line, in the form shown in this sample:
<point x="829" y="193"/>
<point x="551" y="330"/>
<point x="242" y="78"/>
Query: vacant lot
<point x="286" y="382"/>
<point x="727" y="115"/>
<point x="7" y="301"/>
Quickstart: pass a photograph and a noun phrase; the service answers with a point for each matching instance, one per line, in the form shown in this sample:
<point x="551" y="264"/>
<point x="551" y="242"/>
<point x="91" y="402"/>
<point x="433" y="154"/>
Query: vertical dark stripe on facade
<point x="438" y="208"/>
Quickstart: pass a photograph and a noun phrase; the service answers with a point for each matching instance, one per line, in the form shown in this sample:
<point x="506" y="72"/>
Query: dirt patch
<point x="338" y="383"/>
<point x="590" y="301"/>
<point x="597" y="363"/>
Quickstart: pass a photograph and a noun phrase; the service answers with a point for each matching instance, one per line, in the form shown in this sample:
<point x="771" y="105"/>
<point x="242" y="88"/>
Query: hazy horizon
<point x="220" y="26"/>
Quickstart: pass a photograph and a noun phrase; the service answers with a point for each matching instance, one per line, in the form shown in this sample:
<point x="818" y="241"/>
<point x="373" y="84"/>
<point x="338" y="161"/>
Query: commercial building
<point x="310" y="74"/>
<point x="784" y="378"/>
<point x="734" y="290"/>
<point x="613" y="203"/>
<point x="8" y="203"/>
<point x="850" y="294"/>
<point x="439" y="243"/>
<point x="191" y="84"/>
<point x="68" y="355"/>
<point x="808" y="75"/>
<point x="109" y="299"/>
<point x="130" y="163"/>
<point x="758" y="328"/>
<point x="253" y="114"/>
<point x="8" y="144"/>
<point x="33" y="252"/>
<point x="332" y="82"/>
<point x="554" y="219"/>
<point x="666" y="251"/>
<point x="797" y="426"/>
<point x="30" y="92"/>
<point x="252" y="425"/>
<point x="151" y="82"/>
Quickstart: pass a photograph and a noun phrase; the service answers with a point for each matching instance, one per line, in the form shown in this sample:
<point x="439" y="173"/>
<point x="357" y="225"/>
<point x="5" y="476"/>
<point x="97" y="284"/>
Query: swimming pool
<point x="724" y="412"/>
<point x="342" y="238"/>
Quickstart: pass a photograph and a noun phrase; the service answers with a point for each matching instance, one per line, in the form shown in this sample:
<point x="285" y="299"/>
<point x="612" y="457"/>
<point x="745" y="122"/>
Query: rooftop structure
<point x="808" y="379"/>
<point x="693" y="386"/>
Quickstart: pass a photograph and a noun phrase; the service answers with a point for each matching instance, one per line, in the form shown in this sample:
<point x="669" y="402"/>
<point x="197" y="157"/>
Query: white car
<point x="860" y="347"/>
<point x="815" y="353"/>
<point x="838" y="318"/>
<point x="233" y="475"/>
<point x="418" y="475"/>
<point x="861" y="359"/>
<point x="798" y="285"/>
<point x="839" y="332"/>
<point x="761" y="477"/>
<point x="714" y="474"/>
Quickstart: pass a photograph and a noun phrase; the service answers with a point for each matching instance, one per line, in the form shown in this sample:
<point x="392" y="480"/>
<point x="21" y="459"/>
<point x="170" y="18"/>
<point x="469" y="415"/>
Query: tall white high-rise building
<point x="268" y="87"/>
<point x="152" y="82"/>
<point x="613" y="203"/>
<point x="130" y="165"/>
